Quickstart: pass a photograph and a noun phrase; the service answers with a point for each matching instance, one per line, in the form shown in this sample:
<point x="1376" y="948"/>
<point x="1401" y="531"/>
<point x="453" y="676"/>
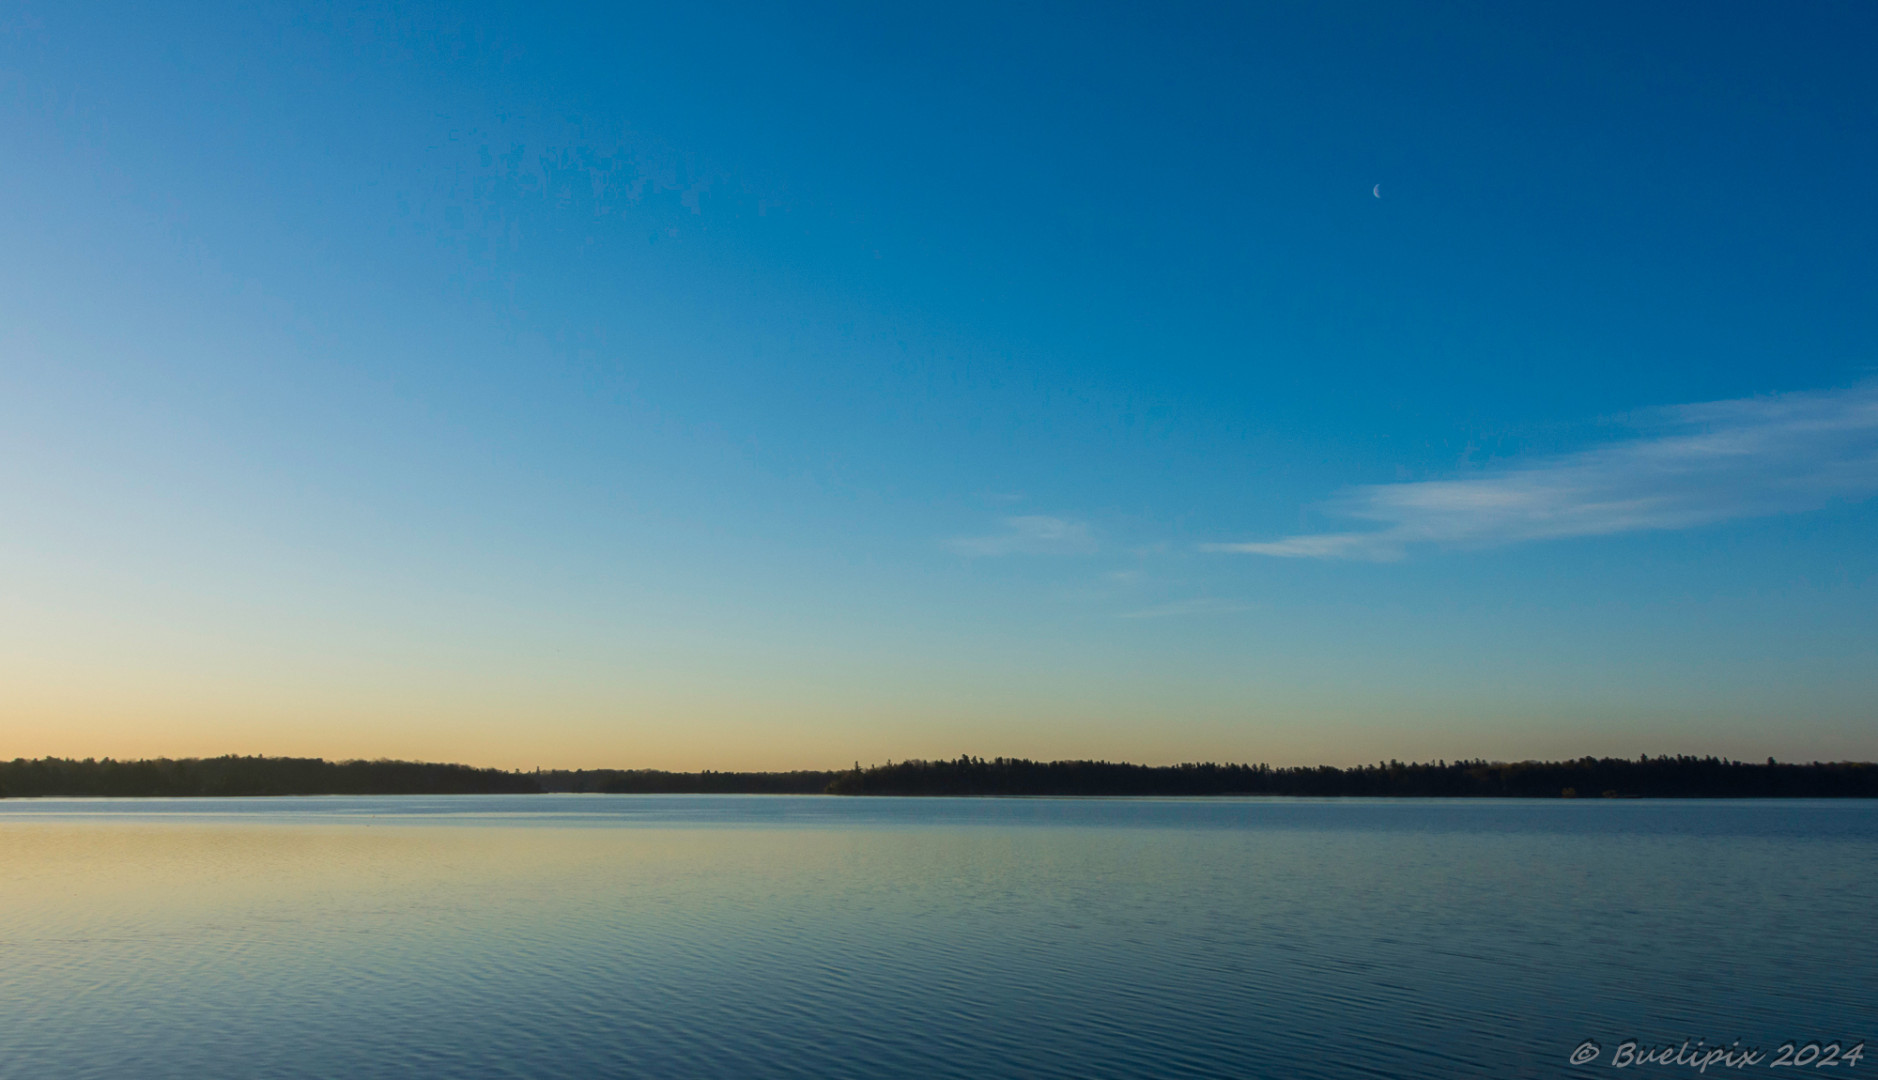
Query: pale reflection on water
<point x="647" y="936"/>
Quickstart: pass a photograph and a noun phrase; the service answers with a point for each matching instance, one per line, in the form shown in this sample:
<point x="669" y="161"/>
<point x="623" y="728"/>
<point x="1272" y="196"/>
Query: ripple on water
<point x="745" y="937"/>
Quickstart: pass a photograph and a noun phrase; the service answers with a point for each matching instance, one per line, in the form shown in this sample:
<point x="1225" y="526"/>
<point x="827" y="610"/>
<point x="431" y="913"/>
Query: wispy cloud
<point x="1002" y="498"/>
<point x="1201" y="605"/>
<point x="1032" y="534"/>
<point x="1691" y="465"/>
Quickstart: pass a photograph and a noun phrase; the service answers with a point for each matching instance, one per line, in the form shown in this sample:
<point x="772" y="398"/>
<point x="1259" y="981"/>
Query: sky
<point x="784" y="386"/>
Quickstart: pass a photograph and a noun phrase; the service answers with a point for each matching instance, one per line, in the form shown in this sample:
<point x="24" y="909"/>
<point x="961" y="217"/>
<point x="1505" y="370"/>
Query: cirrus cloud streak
<point x="1691" y="465"/>
<point x="1029" y="534"/>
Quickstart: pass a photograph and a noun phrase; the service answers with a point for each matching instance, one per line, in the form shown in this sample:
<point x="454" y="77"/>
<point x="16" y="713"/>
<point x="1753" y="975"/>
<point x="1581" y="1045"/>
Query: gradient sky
<point x="702" y="385"/>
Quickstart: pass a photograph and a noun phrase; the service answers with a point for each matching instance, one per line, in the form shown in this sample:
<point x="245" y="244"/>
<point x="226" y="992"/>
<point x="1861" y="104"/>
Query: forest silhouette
<point x="1658" y="777"/>
<point x="1645" y="777"/>
<point x="231" y="775"/>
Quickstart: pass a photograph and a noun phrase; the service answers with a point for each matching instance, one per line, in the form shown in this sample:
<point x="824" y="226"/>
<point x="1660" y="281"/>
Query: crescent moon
<point x="1376" y="191"/>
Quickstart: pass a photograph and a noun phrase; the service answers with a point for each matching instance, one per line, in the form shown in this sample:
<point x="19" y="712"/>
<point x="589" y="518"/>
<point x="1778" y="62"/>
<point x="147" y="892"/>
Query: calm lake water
<point x="677" y="936"/>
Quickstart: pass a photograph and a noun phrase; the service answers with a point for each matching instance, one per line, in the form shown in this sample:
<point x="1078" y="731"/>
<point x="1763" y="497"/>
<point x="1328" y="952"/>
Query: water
<point x="674" y="936"/>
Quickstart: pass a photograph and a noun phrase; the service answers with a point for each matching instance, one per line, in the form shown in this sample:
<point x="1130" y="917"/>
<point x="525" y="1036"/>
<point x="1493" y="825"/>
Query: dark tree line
<point x="659" y="782"/>
<point x="184" y="777"/>
<point x="1659" y="777"/>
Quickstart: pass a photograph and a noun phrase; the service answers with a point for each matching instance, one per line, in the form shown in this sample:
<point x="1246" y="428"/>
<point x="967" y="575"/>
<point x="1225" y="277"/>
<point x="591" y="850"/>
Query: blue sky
<point x="759" y="386"/>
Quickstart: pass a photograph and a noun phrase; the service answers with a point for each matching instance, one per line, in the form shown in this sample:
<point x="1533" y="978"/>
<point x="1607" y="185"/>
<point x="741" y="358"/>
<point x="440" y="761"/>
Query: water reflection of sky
<point x="785" y="937"/>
